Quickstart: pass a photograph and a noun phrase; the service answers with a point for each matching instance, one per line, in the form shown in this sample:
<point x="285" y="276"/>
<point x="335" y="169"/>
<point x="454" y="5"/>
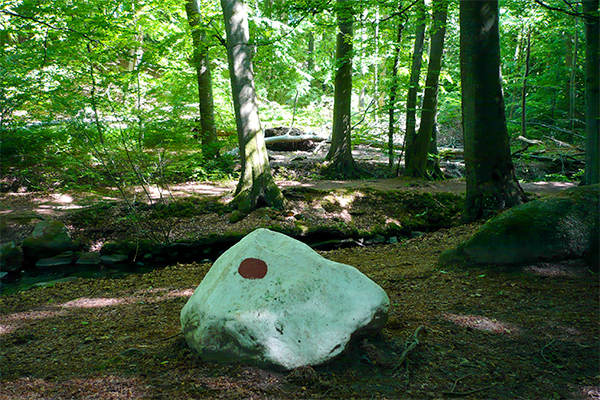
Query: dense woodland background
<point x="107" y="106"/>
<point x="105" y="93"/>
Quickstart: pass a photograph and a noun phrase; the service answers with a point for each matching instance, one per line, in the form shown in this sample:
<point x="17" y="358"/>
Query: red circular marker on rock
<point x="253" y="268"/>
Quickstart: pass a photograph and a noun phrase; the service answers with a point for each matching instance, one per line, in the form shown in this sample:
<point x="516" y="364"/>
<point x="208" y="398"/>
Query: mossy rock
<point x="49" y="238"/>
<point x="554" y="228"/>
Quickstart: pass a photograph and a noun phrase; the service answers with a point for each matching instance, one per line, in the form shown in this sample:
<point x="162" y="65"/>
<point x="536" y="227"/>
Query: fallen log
<point x="293" y="139"/>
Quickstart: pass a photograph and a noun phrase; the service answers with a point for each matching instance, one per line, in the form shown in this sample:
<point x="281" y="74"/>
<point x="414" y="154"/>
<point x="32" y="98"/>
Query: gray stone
<point x="272" y="301"/>
<point x="377" y="239"/>
<point x="114" y="258"/>
<point x="49" y="238"/>
<point x="62" y="260"/>
<point x="11" y="257"/>
<point x="554" y="228"/>
<point x="56" y="281"/>
<point x="89" y="259"/>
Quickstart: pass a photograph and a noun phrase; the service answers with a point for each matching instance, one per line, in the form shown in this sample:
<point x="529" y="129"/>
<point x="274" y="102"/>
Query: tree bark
<point x="340" y="152"/>
<point x="572" y="84"/>
<point x="592" y="93"/>
<point x="256" y="182"/>
<point x="393" y="91"/>
<point x="524" y="87"/>
<point x="416" y="165"/>
<point x="415" y="72"/>
<point x="491" y="181"/>
<point x="208" y="129"/>
<point x="311" y="52"/>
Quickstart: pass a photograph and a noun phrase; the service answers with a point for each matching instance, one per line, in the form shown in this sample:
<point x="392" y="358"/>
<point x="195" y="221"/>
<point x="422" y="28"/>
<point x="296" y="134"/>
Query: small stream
<point x="30" y="278"/>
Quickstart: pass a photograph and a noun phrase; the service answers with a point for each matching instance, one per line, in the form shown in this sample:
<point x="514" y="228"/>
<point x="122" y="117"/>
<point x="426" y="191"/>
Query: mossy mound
<point x="554" y="228"/>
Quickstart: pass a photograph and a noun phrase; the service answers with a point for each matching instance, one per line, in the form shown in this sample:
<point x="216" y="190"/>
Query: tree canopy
<point x="89" y="87"/>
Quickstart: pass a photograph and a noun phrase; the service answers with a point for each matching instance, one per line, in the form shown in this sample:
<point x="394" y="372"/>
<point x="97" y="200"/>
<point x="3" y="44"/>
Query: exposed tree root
<point x="411" y="346"/>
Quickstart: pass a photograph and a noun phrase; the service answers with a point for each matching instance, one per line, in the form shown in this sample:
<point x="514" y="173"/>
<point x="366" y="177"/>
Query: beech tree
<point x="416" y="164"/>
<point x="491" y="181"/>
<point x="413" y="88"/>
<point x="393" y="89"/>
<point x="340" y="152"/>
<point x="208" y="129"/>
<point x="592" y="92"/>
<point x="256" y="182"/>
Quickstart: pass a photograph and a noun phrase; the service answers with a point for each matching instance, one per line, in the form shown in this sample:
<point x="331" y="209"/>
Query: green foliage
<point x="94" y="94"/>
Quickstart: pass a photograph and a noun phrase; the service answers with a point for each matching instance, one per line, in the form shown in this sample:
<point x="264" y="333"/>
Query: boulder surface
<point x="11" y="257"/>
<point x="272" y="301"/>
<point x="49" y="238"/>
<point x="554" y="228"/>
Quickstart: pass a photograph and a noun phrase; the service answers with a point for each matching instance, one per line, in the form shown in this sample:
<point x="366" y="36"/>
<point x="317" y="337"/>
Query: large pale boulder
<point x="272" y="301"/>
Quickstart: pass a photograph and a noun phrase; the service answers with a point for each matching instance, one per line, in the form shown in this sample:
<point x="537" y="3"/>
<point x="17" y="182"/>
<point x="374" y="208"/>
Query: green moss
<point x="552" y="228"/>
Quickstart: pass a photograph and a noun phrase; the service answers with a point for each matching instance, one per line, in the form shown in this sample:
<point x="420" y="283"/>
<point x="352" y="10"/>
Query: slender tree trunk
<point x="491" y="181"/>
<point x="311" y="52"/>
<point x="416" y="165"/>
<point x="376" y="69"/>
<point x="393" y="90"/>
<point x="256" y="182"/>
<point x="572" y="87"/>
<point x="433" y="164"/>
<point x="340" y="152"/>
<point x="592" y="93"/>
<point x="208" y="129"/>
<point x="524" y="87"/>
<point x="413" y="89"/>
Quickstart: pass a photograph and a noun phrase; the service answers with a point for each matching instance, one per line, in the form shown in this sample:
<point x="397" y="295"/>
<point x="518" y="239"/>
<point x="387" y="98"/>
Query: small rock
<point x="393" y="240"/>
<point x="49" y="238"/>
<point x="89" y="259"/>
<point x="62" y="260"/>
<point x="55" y="281"/>
<point x="114" y="258"/>
<point x="11" y="257"/>
<point x="377" y="239"/>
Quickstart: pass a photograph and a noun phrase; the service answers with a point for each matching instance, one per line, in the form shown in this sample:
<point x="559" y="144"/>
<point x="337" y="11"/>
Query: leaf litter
<point x="480" y="334"/>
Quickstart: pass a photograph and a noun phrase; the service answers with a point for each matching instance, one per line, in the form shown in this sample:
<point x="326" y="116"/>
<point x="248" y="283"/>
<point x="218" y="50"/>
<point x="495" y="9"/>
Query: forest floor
<point x="531" y="333"/>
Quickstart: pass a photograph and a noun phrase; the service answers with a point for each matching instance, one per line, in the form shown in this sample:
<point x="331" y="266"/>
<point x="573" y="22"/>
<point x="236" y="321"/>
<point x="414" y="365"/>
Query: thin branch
<point x="543" y="348"/>
<point x="564" y="11"/>
<point x="401" y="12"/>
<point x="411" y="346"/>
<point x="7" y="12"/>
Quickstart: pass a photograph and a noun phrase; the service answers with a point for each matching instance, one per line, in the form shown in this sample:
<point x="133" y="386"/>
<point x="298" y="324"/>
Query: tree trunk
<point x="413" y="89"/>
<point x="256" y="182"/>
<point x="376" y="69"/>
<point x="311" y="52"/>
<point x="393" y="90"/>
<point x="572" y="84"/>
<point x="592" y="93"/>
<point x="208" y="129"/>
<point x="416" y="165"/>
<point x="340" y="152"/>
<point x="524" y="87"/>
<point x="491" y="181"/>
